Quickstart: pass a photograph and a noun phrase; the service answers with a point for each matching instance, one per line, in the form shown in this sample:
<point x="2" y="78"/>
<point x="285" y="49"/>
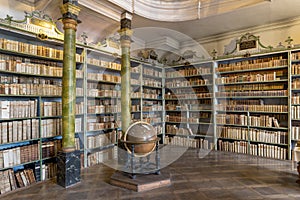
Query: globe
<point x="143" y="136"/>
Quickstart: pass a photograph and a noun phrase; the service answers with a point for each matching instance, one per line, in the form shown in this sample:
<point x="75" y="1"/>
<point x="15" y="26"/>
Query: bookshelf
<point x="252" y="111"/>
<point x="30" y="106"/>
<point x="189" y="105"/>
<point x="147" y="100"/>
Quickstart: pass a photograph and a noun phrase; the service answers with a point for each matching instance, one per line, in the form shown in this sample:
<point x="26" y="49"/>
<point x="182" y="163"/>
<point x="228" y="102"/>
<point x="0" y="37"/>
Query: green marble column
<point x="125" y="34"/>
<point x="70" y="12"/>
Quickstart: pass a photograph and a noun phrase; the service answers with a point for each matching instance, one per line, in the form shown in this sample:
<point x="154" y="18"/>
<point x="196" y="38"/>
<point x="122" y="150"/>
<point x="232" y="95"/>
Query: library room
<point x="149" y="99"/>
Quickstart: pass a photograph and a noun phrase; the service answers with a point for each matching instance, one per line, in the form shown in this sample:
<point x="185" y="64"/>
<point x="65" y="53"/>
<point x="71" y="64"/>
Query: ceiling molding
<point x="164" y="43"/>
<point x="253" y="30"/>
<point x="103" y="7"/>
<point x="184" y="10"/>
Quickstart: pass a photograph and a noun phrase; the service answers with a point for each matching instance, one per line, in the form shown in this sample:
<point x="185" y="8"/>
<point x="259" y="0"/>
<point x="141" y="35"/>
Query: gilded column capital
<point x="70" y="24"/>
<point x="70" y="10"/>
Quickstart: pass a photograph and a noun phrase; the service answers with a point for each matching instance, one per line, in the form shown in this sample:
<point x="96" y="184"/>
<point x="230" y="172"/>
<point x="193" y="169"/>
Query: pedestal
<point x="68" y="168"/>
<point x="142" y="182"/>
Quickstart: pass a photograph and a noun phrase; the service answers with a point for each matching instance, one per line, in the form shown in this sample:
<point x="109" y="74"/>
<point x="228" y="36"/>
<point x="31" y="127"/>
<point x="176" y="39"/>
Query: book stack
<point x="18" y="155"/>
<point x="253" y="64"/>
<point x="101" y="140"/>
<point x="18" y="109"/>
<point x="189" y="71"/>
<point x="7" y="181"/>
<point x="48" y="171"/>
<point x="151" y="82"/>
<point x="236" y="146"/>
<point x="105" y="64"/>
<point x="19" y="130"/>
<point x="33" y="49"/>
<point x="189" y="142"/>
<point x="152" y="72"/>
<point x="25" y="177"/>
<point x="102" y="156"/>
<point x="51" y="127"/>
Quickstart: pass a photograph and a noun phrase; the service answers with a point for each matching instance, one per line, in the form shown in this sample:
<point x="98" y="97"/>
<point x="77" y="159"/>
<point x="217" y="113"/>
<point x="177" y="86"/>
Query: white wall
<point x="270" y="34"/>
<point x="14" y="8"/>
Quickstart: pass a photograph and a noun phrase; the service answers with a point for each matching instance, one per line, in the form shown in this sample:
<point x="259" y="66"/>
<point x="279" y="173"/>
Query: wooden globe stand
<point x="141" y="172"/>
<point x="141" y="167"/>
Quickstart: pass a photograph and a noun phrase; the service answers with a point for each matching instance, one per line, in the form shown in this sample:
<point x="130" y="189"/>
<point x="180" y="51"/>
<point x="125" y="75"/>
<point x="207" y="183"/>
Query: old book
<point x="6" y="182"/>
<point x="10" y="131"/>
<point x="13" y="183"/>
<point x="24" y="179"/>
<point x="4" y="132"/>
<point x="6" y="158"/>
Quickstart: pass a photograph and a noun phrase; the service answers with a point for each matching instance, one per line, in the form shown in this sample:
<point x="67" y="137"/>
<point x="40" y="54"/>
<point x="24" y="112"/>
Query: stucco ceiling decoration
<point x="184" y="10"/>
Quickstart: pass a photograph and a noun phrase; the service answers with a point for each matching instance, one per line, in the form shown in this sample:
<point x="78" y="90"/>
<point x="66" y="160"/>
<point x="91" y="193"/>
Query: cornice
<point x="103" y="7"/>
<point x="254" y="30"/>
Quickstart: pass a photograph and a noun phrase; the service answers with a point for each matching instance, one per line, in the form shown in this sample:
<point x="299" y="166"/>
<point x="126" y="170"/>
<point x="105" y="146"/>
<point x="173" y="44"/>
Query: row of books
<point x="252" y="64"/>
<point x="102" y="156"/>
<point x="101" y="140"/>
<point x="153" y="108"/>
<point x="295" y="114"/>
<point x="18" y="109"/>
<point x="173" y="129"/>
<point x="295" y="69"/>
<point x="253" y="87"/>
<point x="296" y="98"/>
<point x="263" y="150"/>
<point x="258" y="135"/>
<point x="26" y="80"/>
<point x="103" y="93"/>
<point x="55" y="108"/>
<point x="295" y="130"/>
<point x="151" y="82"/>
<point x="20" y="130"/>
<point x="104" y="77"/>
<point x="18" y="155"/>
<point x="103" y="63"/>
<point x="296" y="83"/>
<point x="51" y="127"/>
<point x="32" y="49"/>
<point x="237" y="78"/>
<point x="31" y="89"/>
<point x="50" y="148"/>
<point x="253" y="108"/>
<point x="101" y="86"/>
<point x="252" y="93"/>
<point x="93" y="126"/>
<point x="151" y="119"/>
<point x="188" y="142"/>
<point x="189" y="71"/>
<point x="174" y="117"/>
<point x="29" y="66"/>
<point x="186" y="83"/>
<point x="145" y="95"/>
<point x="49" y="170"/>
<point x="104" y="109"/>
<point x="262" y="120"/>
<point x="152" y="72"/>
<point x="188" y="96"/>
<point x="295" y="56"/>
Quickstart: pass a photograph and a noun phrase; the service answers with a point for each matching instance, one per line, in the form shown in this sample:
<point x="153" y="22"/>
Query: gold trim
<point x="125" y="31"/>
<point x="125" y="43"/>
<point x="69" y="7"/>
<point x="70" y="24"/>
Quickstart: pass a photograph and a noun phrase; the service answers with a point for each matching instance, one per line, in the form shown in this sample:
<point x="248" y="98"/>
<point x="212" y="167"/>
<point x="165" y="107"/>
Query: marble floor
<point x="219" y="175"/>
